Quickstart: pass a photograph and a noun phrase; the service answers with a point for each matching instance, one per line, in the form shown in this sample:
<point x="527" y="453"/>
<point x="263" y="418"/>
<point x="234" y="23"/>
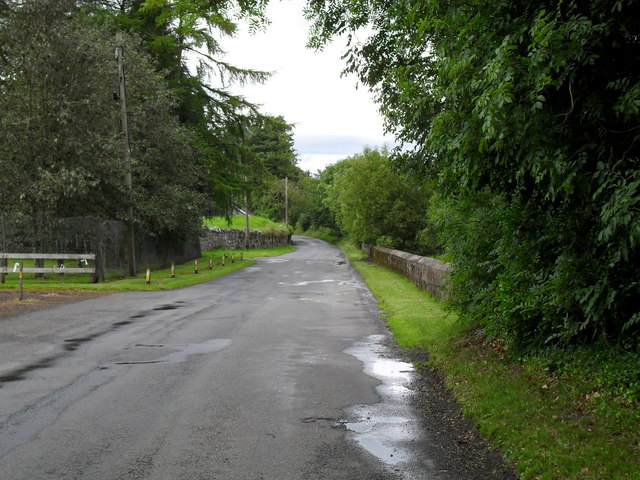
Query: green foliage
<point x="270" y="140"/>
<point x="177" y="34"/>
<point x="323" y="233"/>
<point x="570" y="414"/>
<point x="270" y="169"/>
<point x="60" y="141"/>
<point x="173" y="28"/>
<point x="373" y="202"/>
<point x="317" y="214"/>
<point x="527" y="114"/>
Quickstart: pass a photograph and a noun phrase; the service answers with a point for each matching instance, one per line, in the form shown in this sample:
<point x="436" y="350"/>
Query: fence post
<point x="4" y="261"/>
<point x="173" y="270"/>
<point x="98" y="262"/>
<point x="20" y="282"/>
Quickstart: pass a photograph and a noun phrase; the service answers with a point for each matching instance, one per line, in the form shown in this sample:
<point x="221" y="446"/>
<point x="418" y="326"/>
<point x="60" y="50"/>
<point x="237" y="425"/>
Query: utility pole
<point x="126" y="155"/>
<point x="246" y="221"/>
<point x="286" y="202"/>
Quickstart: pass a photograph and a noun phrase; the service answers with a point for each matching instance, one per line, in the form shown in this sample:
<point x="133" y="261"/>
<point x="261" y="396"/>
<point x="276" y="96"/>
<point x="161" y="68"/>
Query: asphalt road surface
<point x="278" y="371"/>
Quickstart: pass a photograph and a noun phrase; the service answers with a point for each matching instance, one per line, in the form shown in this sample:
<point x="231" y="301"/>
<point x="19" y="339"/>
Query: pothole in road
<point x="72" y="344"/>
<point x="167" y="307"/>
<point x="182" y="351"/>
<point x="122" y="323"/>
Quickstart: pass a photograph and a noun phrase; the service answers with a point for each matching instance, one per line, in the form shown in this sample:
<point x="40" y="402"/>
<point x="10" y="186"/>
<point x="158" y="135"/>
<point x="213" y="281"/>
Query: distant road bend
<point x="278" y="371"/>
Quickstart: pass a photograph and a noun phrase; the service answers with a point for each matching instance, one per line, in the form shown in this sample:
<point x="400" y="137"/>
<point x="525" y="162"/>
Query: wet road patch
<point x="389" y="429"/>
<point x="181" y="351"/>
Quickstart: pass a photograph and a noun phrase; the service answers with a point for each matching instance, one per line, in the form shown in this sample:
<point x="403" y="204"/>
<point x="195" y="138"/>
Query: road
<point x="279" y="371"/>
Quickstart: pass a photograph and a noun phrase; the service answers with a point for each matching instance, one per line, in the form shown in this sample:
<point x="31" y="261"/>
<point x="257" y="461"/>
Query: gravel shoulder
<point x="461" y="451"/>
<point x="34" y="300"/>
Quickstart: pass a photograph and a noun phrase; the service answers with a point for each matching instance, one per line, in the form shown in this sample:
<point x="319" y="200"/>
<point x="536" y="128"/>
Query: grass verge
<point x="160" y="279"/>
<point x="550" y="427"/>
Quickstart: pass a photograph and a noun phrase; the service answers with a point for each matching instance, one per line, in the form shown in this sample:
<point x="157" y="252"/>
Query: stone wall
<point x="427" y="273"/>
<point x="233" y="239"/>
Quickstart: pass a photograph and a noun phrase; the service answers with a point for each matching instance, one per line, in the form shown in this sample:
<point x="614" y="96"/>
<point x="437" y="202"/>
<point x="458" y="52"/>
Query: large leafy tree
<point x="270" y="140"/>
<point x="177" y="31"/>
<point x="372" y="203"/>
<point x="180" y="34"/>
<point x="60" y="141"/>
<point x="528" y="114"/>
<point x="271" y="161"/>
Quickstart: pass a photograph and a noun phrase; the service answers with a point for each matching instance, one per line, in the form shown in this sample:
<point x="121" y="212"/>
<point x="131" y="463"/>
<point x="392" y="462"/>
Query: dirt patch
<point x="33" y="300"/>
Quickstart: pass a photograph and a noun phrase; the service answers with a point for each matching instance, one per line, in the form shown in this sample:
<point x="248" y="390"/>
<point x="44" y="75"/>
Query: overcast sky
<point x="332" y="118"/>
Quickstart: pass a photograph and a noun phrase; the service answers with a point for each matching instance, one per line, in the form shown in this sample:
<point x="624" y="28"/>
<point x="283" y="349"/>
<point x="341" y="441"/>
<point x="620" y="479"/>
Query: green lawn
<point x="160" y="279"/>
<point x="238" y="221"/>
<point x="550" y="427"/>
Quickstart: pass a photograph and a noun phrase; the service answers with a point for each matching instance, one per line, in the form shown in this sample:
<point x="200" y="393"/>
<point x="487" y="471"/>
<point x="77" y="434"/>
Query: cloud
<point x="332" y="144"/>
<point x="331" y="117"/>
<point x="318" y="151"/>
<point x="317" y="162"/>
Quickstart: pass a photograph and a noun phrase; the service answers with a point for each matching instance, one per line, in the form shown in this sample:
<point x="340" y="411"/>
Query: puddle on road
<point x="122" y="323"/>
<point x="167" y="307"/>
<point x="343" y="283"/>
<point x="273" y="260"/>
<point x="389" y="429"/>
<point x="309" y="282"/>
<point x="72" y="344"/>
<point x="182" y="351"/>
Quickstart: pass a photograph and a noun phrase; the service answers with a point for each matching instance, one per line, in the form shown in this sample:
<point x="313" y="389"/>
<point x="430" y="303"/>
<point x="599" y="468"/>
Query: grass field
<point x="160" y="279"/>
<point x="566" y="427"/>
<point x="238" y="221"/>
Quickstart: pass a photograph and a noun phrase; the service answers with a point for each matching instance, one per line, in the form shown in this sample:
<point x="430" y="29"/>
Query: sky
<point x="332" y="118"/>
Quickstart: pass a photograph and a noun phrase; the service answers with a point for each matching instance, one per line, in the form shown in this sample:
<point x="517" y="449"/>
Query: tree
<point x="374" y="204"/>
<point x="271" y="158"/>
<point x="177" y="33"/>
<point x="49" y="97"/>
<point x="270" y="139"/>
<point x="532" y="108"/>
<point x="60" y="141"/>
